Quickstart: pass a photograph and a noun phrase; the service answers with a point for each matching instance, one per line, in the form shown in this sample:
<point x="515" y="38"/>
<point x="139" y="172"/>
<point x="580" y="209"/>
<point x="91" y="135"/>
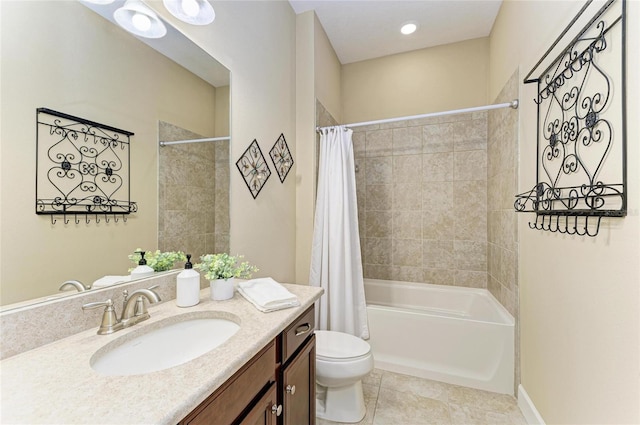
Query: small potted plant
<point x="221" y="270"/>
<point x="158" y="261"/>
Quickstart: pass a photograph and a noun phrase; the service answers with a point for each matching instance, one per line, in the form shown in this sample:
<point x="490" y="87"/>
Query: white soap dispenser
<point x="142" y="270"/>
<point x="188" y="286"/>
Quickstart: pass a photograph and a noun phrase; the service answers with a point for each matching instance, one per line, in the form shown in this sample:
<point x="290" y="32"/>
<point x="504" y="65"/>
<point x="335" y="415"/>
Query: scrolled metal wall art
<point x="581" y="159"/>
<point x="254" y="168"/>
<point x="82" y="169"/>
<point x="281" y="157"/>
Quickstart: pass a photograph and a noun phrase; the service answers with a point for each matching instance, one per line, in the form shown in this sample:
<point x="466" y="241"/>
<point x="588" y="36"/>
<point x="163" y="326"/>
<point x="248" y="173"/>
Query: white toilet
<point x="342" y="360"/>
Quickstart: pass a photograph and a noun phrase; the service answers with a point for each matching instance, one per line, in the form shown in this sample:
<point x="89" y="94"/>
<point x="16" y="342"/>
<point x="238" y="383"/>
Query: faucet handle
<point x="108" y="303"/>
<point x="125" y="298"/>
<point x="110" y="322"/>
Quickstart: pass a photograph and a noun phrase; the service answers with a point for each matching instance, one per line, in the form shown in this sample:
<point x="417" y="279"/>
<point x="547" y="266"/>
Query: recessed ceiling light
<point x="409" y="28"/>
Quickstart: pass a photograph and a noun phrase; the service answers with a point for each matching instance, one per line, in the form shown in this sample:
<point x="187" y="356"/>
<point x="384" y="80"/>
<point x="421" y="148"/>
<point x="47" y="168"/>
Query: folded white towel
<point x="267" y="295"/>
<point x="110" y="280"/>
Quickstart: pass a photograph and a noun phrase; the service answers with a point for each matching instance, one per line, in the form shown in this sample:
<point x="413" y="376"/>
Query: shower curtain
<point x="336" y="262"/>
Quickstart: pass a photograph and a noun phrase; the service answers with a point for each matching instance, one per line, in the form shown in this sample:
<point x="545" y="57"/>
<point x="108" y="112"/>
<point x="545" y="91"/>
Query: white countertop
<point x="55" y="384"/>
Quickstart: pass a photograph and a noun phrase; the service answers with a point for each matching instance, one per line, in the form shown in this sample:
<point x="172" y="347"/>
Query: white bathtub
<point x="461" y="336"/>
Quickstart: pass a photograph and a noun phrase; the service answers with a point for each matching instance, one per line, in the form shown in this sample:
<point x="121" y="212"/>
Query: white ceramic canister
<point x="222" y="289"/>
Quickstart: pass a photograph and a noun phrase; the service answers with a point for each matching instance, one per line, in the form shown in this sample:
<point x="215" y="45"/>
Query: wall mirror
<point x="67" y="57"/>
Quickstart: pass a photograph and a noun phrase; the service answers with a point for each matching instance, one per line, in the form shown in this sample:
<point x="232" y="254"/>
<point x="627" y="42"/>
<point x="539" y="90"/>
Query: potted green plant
<point x="159" y="261"/>
<point x="221" y="270"/>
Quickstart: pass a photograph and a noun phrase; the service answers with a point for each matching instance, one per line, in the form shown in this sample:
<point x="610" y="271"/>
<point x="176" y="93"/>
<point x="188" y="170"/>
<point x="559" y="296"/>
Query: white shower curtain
<point x="336" y="262"/>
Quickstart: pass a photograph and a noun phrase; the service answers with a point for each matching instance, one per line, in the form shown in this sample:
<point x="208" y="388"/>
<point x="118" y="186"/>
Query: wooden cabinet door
<point x="224" y="406"/>
<point x="299" y="387"/>
<point x="263" y="412"/>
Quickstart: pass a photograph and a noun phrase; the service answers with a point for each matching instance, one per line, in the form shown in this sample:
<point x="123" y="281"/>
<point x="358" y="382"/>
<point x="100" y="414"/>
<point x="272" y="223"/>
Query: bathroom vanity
<point x="263" y="374"/>
<point x="277" y="386"/>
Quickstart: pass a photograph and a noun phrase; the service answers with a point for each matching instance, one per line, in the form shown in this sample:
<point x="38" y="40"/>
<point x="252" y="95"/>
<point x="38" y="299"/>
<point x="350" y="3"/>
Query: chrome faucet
<point x="134" y="310"/>
<point x="81" y="287"/>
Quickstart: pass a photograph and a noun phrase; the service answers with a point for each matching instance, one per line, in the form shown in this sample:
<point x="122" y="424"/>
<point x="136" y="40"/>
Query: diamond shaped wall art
<point x="281" y="157"/>
<point x="254" y="168"/>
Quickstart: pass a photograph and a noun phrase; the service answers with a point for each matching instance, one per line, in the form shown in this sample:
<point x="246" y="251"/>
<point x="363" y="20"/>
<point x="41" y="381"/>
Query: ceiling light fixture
<point x="409" y="28"/>
<point x="195" y="12"/>
<point x="139" y="20"/>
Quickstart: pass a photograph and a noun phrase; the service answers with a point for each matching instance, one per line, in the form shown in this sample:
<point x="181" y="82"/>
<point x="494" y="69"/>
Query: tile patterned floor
<point x="395" y="399"/>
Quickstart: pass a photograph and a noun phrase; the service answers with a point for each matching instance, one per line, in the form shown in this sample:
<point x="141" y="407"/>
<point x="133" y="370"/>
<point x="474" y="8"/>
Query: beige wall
<point x="223" y="106"/>
<point x="579" y="296"/>
<point x="328" y="71"/>
<point x="124" y="84"/>
<point x="305" y="137"/>
<point x="256" y="40"/>
<point x="387" y="87"/>
<point x="318" y="74"/>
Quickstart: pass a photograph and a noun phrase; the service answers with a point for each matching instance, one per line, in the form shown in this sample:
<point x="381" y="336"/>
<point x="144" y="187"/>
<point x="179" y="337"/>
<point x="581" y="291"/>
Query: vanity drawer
<point x="227" y="402"/>
<point x="297" y="333"/>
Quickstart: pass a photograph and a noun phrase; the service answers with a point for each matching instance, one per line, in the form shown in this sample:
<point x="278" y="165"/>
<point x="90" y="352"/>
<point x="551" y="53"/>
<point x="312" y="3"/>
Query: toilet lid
<point x="339" y="345"/>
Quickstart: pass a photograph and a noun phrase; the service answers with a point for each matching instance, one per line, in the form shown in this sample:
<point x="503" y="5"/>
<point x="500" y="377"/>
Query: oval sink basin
<point x="164" y="347"/>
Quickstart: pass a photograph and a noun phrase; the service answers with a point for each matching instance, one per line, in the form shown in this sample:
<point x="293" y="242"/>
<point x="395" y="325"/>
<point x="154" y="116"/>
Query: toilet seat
<point x="340" y="347"/>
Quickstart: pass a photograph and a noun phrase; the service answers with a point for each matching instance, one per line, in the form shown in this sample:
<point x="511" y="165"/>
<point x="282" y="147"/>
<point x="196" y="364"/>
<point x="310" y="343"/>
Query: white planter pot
<point x="221" y="289"/>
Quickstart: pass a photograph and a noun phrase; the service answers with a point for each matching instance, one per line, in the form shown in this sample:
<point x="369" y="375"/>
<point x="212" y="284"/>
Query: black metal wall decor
<point x="254" y="168"/>
<point x="82" y="168"/>
<point x="281" y="157"/>
<point x="581" y="142"/>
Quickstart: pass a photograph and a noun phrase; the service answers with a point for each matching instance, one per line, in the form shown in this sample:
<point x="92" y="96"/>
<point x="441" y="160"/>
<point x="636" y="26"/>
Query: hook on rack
<point x="597" y="227"/>
<point x="586" y="229"/>
<point x="569" y="227"/>
<point x="566" y="225"/>
<point x="66" y="217"/>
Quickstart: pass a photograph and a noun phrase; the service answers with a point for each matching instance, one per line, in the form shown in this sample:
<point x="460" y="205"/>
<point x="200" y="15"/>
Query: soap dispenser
<point x="188" y="286"/>
<point x="142" y="270"/>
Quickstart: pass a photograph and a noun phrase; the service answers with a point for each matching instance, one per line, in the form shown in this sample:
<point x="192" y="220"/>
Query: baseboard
<point x="529" y="411"/>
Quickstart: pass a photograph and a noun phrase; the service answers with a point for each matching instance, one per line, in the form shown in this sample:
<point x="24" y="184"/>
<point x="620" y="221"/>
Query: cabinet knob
<point x="291" y="389"/>
<point x="276" y="410"/>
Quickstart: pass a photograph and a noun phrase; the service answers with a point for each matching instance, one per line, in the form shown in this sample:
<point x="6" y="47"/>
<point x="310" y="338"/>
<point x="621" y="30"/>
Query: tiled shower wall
<point x="323" y="119"/>
<point x="422" y="199"/>
<point x="502" y="175"/>
<point x="502" y="244"/>
<point x="193" y="207"/>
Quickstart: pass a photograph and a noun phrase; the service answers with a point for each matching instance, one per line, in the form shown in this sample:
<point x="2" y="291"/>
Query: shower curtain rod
<point x="208" y="139"/>
<point x="513" y="104"/>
